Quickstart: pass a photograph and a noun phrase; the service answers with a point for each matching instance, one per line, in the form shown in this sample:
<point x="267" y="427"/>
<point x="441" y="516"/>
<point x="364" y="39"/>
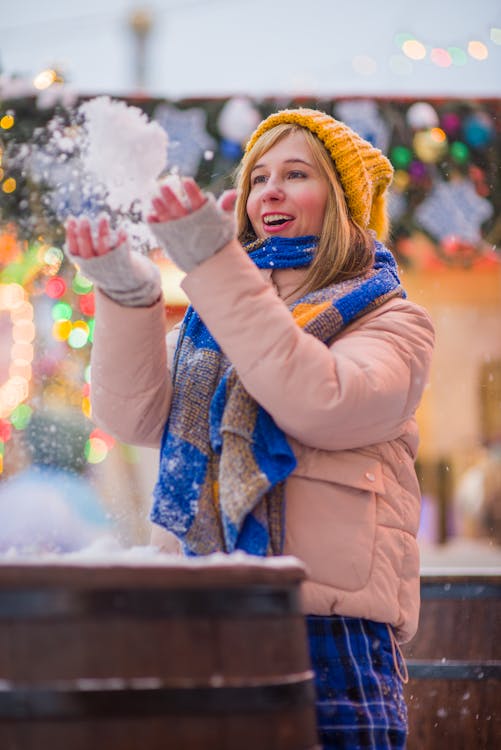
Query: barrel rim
<point x="179" y="575"/>
<point x="22" y="704"/>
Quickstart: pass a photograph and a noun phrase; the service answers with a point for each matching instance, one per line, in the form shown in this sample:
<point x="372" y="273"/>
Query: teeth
<point x="272" y="218"/>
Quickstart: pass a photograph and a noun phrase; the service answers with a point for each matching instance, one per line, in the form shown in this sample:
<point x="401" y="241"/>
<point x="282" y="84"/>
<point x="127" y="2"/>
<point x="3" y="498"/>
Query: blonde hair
<point x="345" y="250"/>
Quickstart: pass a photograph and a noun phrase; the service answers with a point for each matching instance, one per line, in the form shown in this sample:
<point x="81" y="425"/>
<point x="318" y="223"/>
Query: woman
<point x="296" y="376"/>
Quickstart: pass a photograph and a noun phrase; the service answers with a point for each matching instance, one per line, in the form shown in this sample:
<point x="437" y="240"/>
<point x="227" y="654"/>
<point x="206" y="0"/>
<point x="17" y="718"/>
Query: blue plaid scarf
<point x="223" y="460"/>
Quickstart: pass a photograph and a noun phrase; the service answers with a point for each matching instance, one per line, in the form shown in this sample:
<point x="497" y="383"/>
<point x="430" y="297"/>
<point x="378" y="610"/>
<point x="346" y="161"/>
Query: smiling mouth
<point x="276" y="220"/>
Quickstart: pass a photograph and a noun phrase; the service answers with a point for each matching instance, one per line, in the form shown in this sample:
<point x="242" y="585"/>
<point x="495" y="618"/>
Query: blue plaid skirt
<point x="360" y="702"/>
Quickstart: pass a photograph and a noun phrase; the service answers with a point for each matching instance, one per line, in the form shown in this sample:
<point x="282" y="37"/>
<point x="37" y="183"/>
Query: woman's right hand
<point x="124" y="275"/>
<point x="82" y="244"/>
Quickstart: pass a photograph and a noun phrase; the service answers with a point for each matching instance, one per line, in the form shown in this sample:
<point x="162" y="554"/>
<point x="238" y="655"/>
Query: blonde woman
<point x="286" y="415"/>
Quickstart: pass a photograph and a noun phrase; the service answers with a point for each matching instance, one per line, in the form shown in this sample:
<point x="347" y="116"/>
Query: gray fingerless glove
<point x="196" y="237"/>
<point x="129" y="278"/>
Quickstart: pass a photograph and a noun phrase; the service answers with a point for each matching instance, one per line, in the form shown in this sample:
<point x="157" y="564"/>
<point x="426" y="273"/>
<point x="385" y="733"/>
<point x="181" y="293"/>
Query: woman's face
<point x="288" y="192"/>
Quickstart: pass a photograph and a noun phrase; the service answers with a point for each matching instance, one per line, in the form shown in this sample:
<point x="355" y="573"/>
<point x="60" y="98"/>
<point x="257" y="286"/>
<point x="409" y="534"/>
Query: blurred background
<point x="419" y="80"/>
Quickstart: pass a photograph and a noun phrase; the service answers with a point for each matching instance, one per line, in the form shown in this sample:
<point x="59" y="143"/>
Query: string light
<point x="477" y="50"/>
<point x="80" y="284"/>
<point x="414" y="49"/>
<point x="9" y="185"/>
<point x="55" y="287"/>
<point x="444" y="57"/>
<point x="7" y="122"/>
<point x="458" y="56"/>
<point x="16" y="388"/>
<point x="44" y="79"/>
<point x="441" y="57"/>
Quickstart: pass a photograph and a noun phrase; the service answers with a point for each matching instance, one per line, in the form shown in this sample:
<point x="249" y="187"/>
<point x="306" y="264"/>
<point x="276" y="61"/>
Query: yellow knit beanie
<point x="364" y="172"/>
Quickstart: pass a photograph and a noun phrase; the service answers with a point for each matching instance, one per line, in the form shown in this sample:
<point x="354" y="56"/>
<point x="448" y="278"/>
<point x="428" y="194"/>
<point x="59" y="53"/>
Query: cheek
<point x="315" y="205"/>
<point x="252" y="209"/>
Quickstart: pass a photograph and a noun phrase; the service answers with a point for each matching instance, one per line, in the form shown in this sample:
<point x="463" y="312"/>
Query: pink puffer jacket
<point x="352" y="503"/>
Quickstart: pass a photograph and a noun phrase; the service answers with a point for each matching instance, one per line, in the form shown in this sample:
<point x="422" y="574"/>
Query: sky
<point x="254" y="47"/>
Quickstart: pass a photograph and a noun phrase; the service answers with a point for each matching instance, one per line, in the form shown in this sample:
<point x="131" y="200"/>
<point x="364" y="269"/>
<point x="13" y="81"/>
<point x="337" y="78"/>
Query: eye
<point x="258" y="178"/>
<point x="296" y="174"/>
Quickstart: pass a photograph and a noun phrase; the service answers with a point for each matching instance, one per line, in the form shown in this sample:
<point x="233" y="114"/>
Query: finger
<point x="193" y="193"/>
<point x="160" y="211"/>
<point x="167" y="211"/>
<point x="103" y="237"/>
<point x="172" y="205"/>
<point x="85" y="241"/>
<point x="227" y="200"/>
<point x="121" y="237"/>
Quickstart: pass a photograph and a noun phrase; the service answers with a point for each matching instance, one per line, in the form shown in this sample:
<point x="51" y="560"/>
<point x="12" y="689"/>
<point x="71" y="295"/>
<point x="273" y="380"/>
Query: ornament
<point x="430" y="145"/>
<point x="188" y="138"/>
<point x="364" y="118"/>
<point x="230" y="150"/>
<point x="460" y="152"/>
<point x="450" y="123"/>
<point x="400" y="157"/>
<point x="418" y="171"/>
<point x="422" y="115"/>
<point x="401" y="180"/>
<point x="454" y="209"/>
<point x="478" y="130"/>
<point x="238" y="119"/>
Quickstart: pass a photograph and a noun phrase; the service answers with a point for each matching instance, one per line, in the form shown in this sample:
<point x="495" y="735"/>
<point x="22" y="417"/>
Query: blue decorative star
<point x="454" y="209"/>
<point x="188" y="137"/>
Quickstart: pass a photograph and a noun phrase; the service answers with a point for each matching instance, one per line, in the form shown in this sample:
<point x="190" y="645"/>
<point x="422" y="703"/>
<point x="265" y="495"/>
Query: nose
<point x="272" y="191"/>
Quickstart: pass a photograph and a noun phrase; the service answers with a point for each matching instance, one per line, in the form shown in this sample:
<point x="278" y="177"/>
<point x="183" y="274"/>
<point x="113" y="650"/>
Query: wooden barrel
<point x="179" y="655"/>
<point x="454" y="665"/>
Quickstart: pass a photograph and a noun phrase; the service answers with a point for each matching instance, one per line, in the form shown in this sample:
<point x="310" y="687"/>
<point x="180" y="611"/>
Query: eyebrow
<point x="287" y="161"/>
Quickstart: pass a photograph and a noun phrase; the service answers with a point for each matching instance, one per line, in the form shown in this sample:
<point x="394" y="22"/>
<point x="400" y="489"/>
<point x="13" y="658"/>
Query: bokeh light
<point x="21" y="416"/>
<point x="414" y="49"/>
<point x="96" y="450"/>
<point x="422" y="115"/>
<point x="86" y="303"/>
<point x="61" y="330"/>
<point x="62" y="311"/>
<point x="400" y="157"/>
<point x="495" y="35"/>
<point x="441" y="57"/>
<point x="401" y="180"/>
<point x="478" y="130"/>
<point x="55" y="287"/>
<point x="460" y="152"/>
<point x="86" y="408"/>
<point x="458" y="56"/>
<point x="44" y="79"/>
<point x="80" y="284"/>
<point x="78" y="337"/>
<point x="478" y="50"/>
<point x="9" y="185"/>
<point x="7" y="122"/>
<point x="53" y="257"/>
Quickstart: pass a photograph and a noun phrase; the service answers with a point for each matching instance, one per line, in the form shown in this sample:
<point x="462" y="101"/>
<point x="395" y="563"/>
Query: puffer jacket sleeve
<point x="361" y="390"/>
<point x="130" y="382"/>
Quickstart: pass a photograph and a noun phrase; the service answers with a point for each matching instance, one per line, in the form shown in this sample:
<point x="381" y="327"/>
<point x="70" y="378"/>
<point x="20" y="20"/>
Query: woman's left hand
<point x="191" y="227"/>
<point x="167" y="206"/>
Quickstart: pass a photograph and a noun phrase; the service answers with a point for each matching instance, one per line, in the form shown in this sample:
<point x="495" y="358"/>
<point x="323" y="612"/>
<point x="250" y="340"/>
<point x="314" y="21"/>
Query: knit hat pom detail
<point x="364" y="172"/>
